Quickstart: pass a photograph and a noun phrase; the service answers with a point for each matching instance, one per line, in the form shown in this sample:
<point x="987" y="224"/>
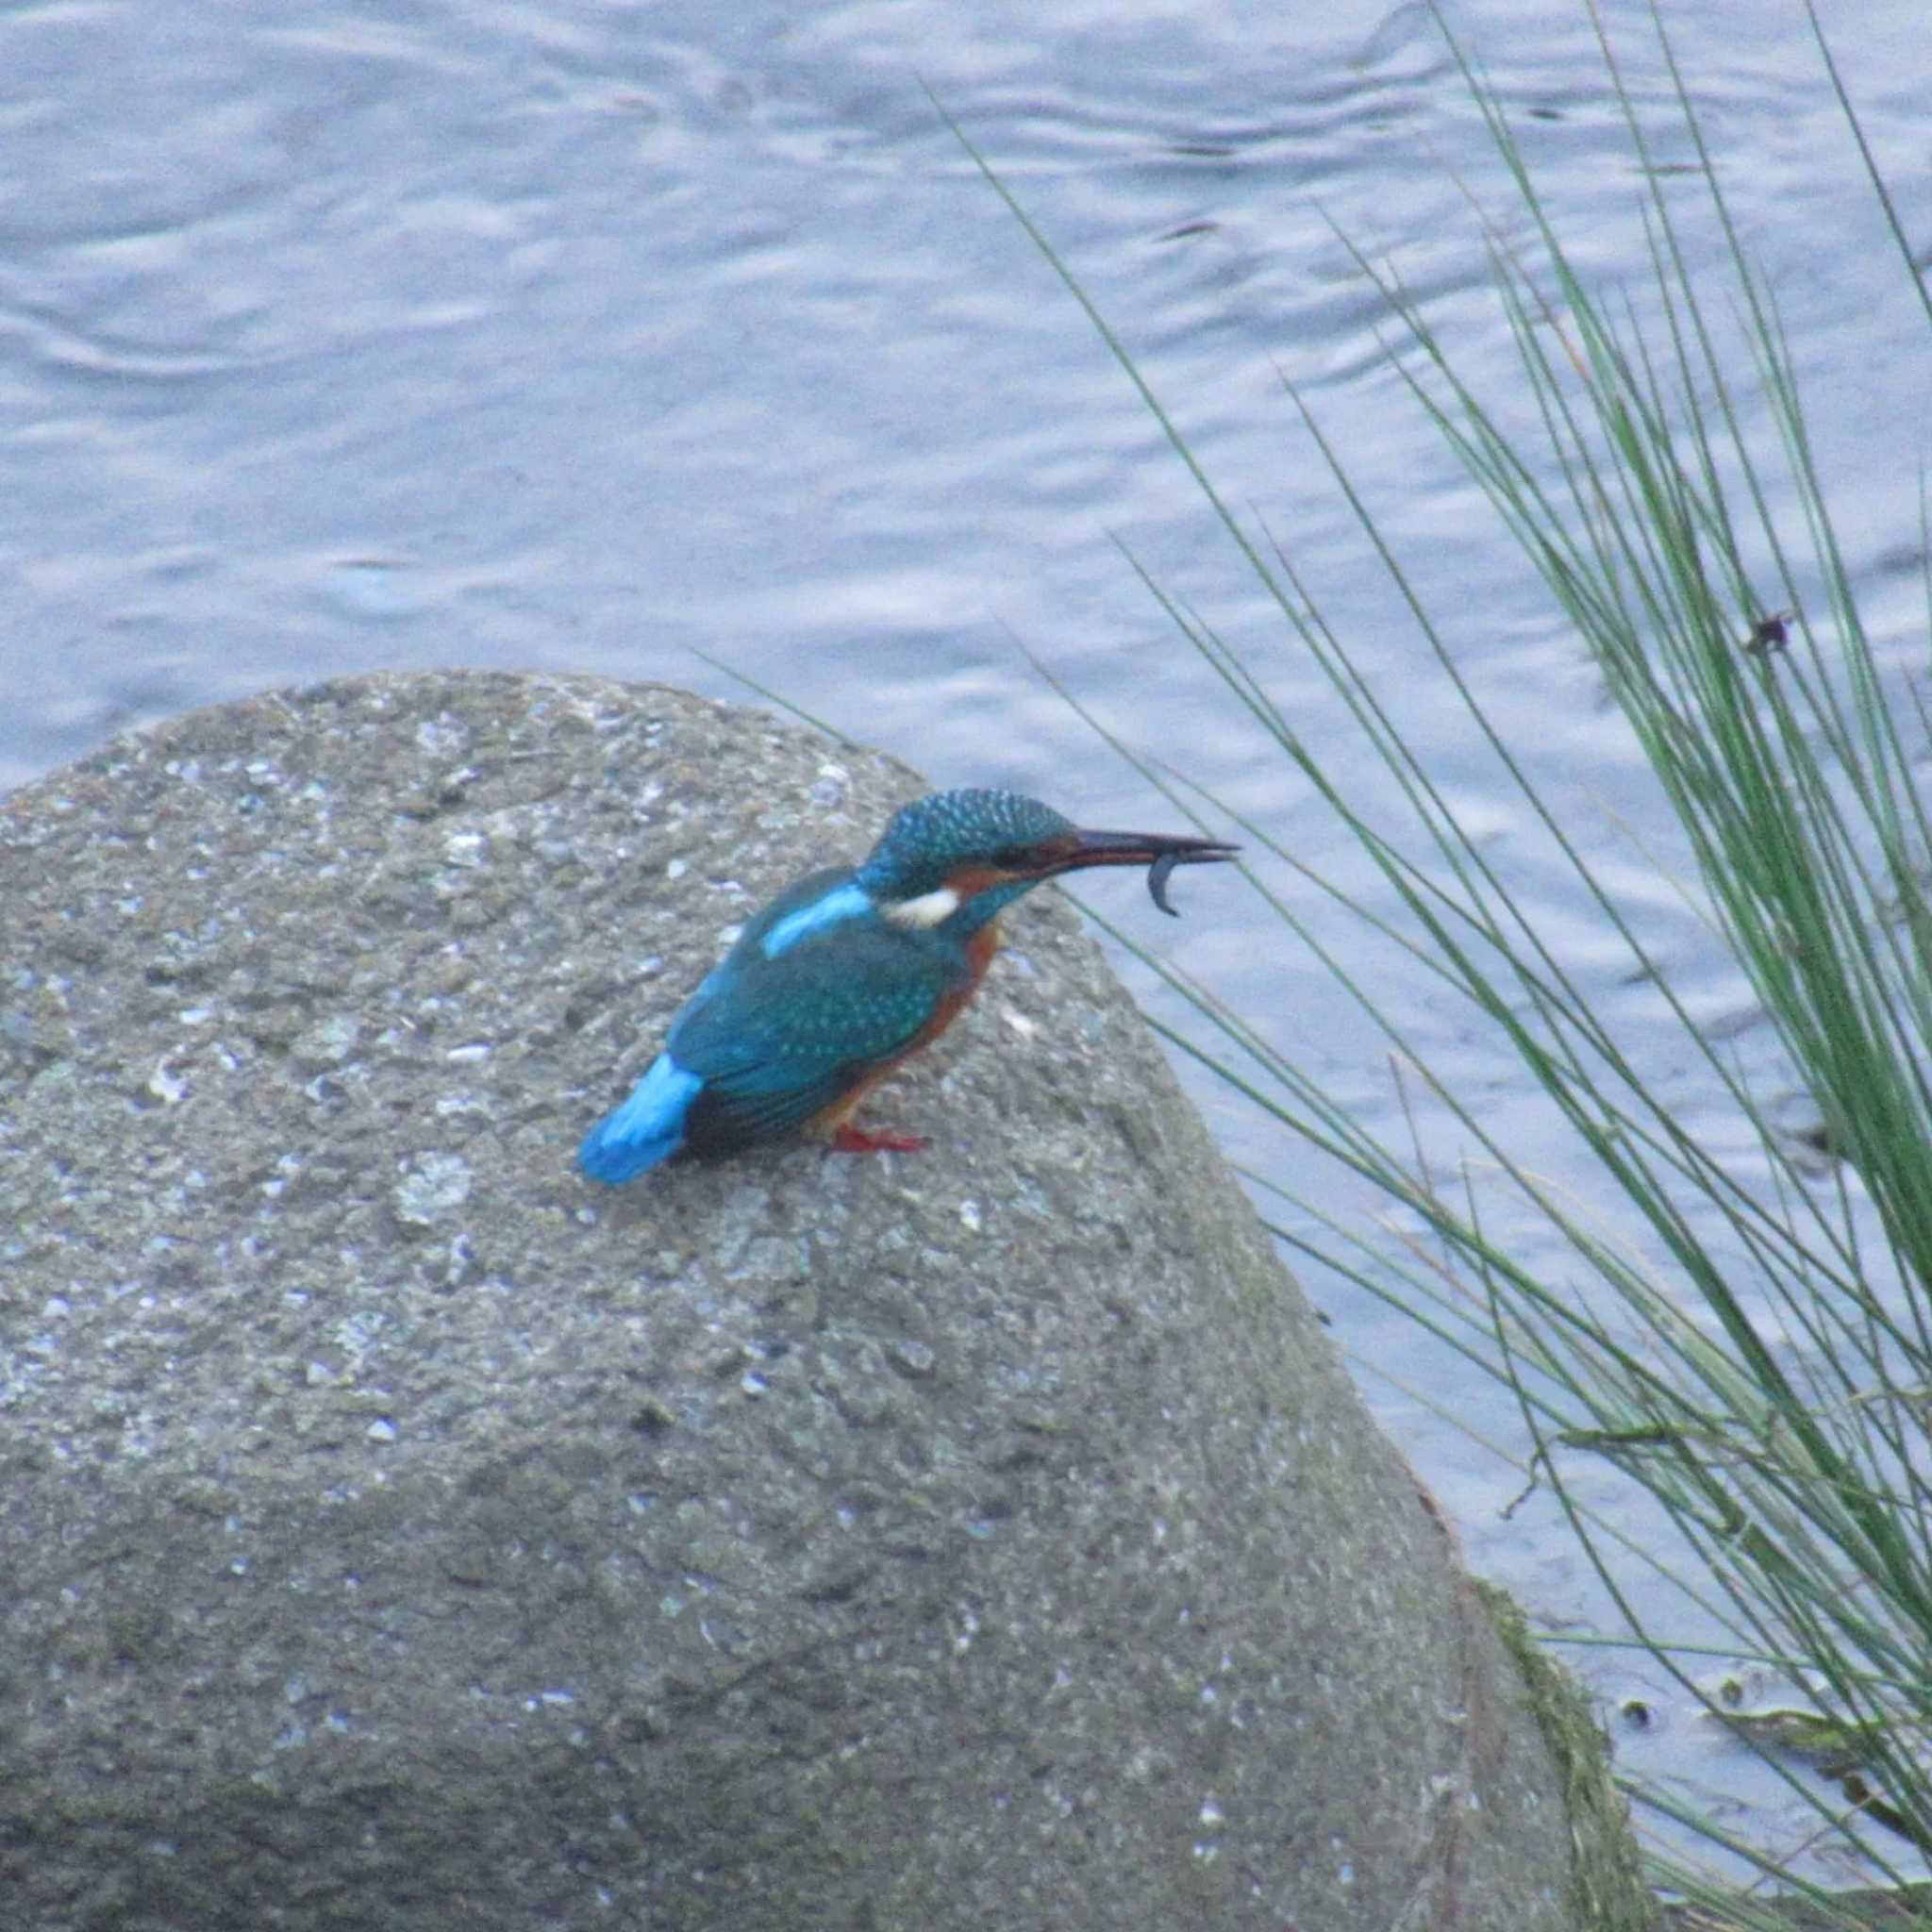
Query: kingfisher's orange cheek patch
<point x="971" y="880"/>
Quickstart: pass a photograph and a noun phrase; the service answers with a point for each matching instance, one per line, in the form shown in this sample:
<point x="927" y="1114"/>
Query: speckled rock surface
<point x="399" y="1531"/>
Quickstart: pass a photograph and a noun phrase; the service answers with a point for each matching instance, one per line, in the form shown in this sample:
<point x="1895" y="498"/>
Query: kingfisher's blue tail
<point x="647" y="1129"/>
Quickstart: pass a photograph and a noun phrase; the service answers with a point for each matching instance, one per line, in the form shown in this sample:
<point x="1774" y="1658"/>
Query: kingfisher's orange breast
<point x="979" y="950"/>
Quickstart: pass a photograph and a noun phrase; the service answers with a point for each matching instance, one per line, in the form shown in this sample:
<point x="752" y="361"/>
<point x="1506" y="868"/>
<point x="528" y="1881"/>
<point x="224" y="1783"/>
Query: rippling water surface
<point x="584" y="336"/>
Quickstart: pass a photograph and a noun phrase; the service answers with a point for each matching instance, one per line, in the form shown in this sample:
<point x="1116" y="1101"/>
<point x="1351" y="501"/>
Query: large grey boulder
<point x="398" y="1531"/>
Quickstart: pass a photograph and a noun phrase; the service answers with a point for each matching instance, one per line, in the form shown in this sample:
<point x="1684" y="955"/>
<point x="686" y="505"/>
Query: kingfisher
<point x="849" y="971"/>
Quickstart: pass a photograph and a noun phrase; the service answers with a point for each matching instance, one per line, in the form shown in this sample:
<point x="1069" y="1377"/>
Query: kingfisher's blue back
<point x="848" y="972"/>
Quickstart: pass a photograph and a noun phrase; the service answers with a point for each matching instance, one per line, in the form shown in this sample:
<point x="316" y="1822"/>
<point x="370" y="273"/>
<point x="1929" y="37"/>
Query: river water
<point x="588" y="335"/>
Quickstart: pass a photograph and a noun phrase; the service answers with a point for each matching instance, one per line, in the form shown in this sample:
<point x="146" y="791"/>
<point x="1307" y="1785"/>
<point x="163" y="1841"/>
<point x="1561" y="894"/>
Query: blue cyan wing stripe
<point x="841" y="903"/>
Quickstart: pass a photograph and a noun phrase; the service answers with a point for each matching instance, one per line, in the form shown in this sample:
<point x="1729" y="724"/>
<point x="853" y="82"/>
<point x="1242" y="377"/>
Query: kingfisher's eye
<point x="1013" y="859"/>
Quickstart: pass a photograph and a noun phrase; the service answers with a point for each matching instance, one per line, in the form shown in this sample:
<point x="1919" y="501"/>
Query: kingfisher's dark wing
<point x="778" y="1040"/>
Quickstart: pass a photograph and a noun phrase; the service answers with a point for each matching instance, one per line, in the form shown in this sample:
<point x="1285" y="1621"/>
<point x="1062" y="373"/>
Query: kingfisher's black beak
<point x="1159" y="851"/>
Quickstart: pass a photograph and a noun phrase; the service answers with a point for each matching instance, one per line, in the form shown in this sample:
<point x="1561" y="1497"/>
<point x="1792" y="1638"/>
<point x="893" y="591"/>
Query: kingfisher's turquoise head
<point x="955" y="858"/>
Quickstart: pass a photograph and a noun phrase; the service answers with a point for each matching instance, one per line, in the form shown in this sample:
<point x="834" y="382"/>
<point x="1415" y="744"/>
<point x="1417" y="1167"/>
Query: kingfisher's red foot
<point x="847" y="1138"/>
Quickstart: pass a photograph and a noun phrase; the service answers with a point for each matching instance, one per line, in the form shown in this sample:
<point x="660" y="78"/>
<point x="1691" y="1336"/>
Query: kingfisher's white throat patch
<point x="929" y="909"/>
